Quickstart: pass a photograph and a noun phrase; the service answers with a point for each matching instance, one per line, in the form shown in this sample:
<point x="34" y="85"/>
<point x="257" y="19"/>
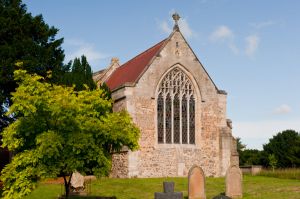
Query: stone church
<point x="180" y="111"/>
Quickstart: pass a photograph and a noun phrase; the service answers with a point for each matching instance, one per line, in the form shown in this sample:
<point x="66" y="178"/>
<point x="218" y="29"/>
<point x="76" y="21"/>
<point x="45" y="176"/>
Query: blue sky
<point x="250" y="48"/>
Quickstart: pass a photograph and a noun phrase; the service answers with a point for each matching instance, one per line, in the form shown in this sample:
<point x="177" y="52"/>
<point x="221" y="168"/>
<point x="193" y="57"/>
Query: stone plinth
<point x="168" y="192"/>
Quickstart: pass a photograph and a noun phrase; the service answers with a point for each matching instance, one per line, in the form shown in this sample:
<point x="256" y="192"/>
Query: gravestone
<point x="77" y="184"/>
<point x="168" y="192"/>
<point x="77" y="180"/>
<point x="196" y="183"/>
<point x="234" y="182"/>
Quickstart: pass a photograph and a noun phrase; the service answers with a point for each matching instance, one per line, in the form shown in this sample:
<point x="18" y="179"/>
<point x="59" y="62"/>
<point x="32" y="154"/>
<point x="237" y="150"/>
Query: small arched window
<point x="176" y="109"/>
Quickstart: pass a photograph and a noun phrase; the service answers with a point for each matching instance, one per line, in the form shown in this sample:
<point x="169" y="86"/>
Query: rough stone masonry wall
<point x="168" y="160"/>
<point x="119" y="160"/>
<point x="159" y="160"/>
<point x="210" y="137"/>
<point x="119" y="165"/>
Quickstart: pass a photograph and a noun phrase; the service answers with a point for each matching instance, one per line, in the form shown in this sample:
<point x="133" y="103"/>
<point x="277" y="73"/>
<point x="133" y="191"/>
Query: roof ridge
<point x="130" y="71"/>
<point x="143" y="52"/>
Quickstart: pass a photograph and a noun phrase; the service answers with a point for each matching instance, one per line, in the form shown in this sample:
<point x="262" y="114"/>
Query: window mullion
<point x="180" y="117"/>
<point x="188" y="119"/>
<point x="172" y="119"/>
<point x="164" y="118"/>
<point x="173" y="87"/>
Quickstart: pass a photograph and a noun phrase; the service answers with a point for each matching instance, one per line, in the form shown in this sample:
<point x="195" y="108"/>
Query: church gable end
<point x="179" y="110"/>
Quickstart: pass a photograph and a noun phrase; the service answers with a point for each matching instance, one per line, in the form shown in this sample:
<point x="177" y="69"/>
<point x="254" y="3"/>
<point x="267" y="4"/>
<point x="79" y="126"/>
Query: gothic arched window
<point x="176" y="109"/>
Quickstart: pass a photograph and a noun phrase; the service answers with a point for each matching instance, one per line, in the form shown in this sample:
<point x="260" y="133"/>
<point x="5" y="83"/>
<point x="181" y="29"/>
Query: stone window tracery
<point x="176" y="109"/>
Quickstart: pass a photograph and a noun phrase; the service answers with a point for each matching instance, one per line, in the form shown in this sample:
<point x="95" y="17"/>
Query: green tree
<point x="60" y="130"/>
<point x="286" y="148"/>
<point x="105" y="88"/>
<point x="28" y="39"/>
<point x="239" y="145"/>
<point x="80" y="74"/>
<point x="272" y="161"/>
<point x="251" y="157"/>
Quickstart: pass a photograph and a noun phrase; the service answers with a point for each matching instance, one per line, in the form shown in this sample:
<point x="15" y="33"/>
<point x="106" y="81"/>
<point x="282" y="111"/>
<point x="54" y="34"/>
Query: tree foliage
<point x="272" y="161"/>
<point x="248" y="156"/>
<point x="80" y="74"/>
<point x="283" y="151"/>
<point x="239" y="145"/>
<point x="28" y="39"/>
<point x="58" y="131"/>
<point x="107" y="91"/>
<point x="251" y="157"/>
<point x="285" y="146"/>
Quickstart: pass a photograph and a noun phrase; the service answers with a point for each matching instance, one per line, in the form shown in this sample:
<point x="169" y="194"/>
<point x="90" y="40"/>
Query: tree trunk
<point x="67" y="185"/>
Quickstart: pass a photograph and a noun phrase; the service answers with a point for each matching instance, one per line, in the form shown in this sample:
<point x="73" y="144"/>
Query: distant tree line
<point x="282" y="151"/>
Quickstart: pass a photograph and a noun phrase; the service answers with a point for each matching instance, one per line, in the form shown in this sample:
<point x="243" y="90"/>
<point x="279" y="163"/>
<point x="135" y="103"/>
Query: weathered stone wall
<point x="211" y="150"/>
<point x="234" y="154"/>
<point x="120" y="161"/>
<point x="226" y="147"/>
<point x="119" y="165"/>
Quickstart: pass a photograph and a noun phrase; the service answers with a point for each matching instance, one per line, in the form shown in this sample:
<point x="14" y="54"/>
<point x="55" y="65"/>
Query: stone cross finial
<point x="176" y="18"/>
<point x="115" y="60"/>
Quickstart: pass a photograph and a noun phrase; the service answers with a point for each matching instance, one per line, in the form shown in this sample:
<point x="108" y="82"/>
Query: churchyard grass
<point x="255" y="187"/>
<point x="292" y="173"/>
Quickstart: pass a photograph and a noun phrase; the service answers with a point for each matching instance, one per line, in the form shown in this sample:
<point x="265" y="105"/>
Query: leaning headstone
<point x="77" y="184"/>
<point x="168" y="192"/>
<point x="196" y="183"/>
<point x="77" y="180"/>
<point x="234" y="182"/>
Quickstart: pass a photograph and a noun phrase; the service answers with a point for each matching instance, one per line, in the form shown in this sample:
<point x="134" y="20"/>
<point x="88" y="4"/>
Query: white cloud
<point x="252" y="42"/>
<point x="233" y="48"/>
<point x="283" y="109"/>
<point x="165" y="27"/>
<point x="183" y="26"/>
<point x="263" y="24"/>
<point x="80" y="47"/>
<point x="222" y="33"/>
<point x="255" y="134"/>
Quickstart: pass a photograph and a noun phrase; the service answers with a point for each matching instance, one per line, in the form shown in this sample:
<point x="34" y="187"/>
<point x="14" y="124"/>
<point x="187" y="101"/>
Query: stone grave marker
<point x="77" y="184"/>
<point x="234" y="182"/>
<point x="196" y="183"/>
<point x="168" y="192"/>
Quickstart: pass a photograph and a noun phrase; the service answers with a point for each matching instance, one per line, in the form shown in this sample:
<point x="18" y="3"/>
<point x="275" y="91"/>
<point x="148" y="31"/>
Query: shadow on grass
<point x="220" y="196"/>
<point x="92" y="197"/>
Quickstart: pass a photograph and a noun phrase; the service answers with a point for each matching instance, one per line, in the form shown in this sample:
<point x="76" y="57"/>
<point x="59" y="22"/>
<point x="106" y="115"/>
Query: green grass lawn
<point x="255" y="187"/>
<point x="290" y="173"/>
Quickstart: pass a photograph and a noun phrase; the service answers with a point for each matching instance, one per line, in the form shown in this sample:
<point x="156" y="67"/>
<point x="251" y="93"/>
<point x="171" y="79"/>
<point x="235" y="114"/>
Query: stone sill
<point x="175" y="146"/>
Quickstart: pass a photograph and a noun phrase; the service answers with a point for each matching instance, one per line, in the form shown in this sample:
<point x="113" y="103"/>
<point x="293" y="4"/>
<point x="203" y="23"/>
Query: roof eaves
<point x="126" y="84"/>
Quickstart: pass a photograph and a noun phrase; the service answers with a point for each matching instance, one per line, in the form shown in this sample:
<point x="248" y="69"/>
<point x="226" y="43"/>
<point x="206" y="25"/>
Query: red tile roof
<point x="131" y="70"/>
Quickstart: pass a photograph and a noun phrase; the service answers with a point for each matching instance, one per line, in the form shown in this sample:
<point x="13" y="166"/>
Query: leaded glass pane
<point x="184" y="120"/>
<point x="192" y="120"/>
<point x="168" y="119"/>
<point x="177" y="87"/>
<point x="176" y="110"/>
<point x="160" y="118"/>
